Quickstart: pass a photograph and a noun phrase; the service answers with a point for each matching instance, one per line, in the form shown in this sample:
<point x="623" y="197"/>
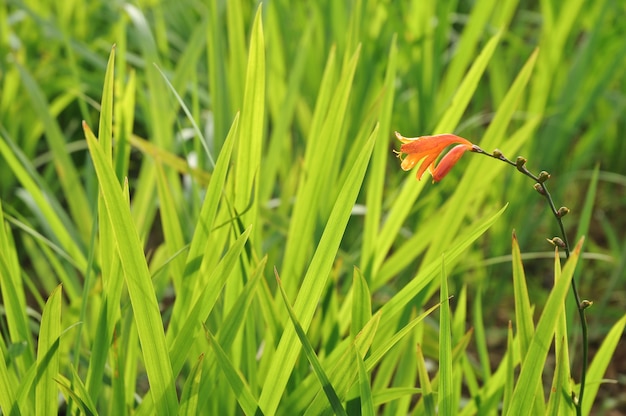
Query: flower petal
<point x="405" y="139"/>
<point x="426" y="164"/>
<point x="410" y="161"/>
<point x="428" y="144"/>
<point x="449" y="160"/>
<point x="426" y="150"/>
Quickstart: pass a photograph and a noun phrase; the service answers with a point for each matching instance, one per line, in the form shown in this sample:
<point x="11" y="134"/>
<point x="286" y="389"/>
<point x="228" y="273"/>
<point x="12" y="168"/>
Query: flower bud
<point x="585" y="304"/>
<point x="520" y="162"/>
<point x="543" y="176"/>
<point x="497" y="153"/>
<point x="556" y="241"/>
<point x="539" y="188"/>
<point x="563" y="211"/>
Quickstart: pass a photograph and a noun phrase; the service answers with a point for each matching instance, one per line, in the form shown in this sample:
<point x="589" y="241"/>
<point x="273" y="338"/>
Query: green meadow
<point x="203" y="209"/>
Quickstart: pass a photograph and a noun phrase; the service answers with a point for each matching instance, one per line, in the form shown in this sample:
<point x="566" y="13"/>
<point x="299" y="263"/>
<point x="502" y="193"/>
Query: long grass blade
<point x="509" y="383"/>
<point x="530" y="375"/>
<point x="248" y="154"/>
<point x="344" y="373"/>
<point x="365" y="391"/>
<point x="313" y="283"/>
<point x="425" y="384"/>
<point x="48" y="359"/>
<point x="46" y="204"/>
<point x="77" y="392"/>
<point x="376" y="178"/>
<point x="8" y="398"/>
<point x="309" y="351"/>
<point x="139" y="283"/>
<point x="68" y="176"/>
<point x="361" y="303"/>
<point x="13" y="297"/>
<point x="445" y="390"/>
<point x="238" y="384"/>
<point x="108" y="256"/>
<point x="523" y="311"/>
<point x="429" y="272"/>
<point x="189" y="398"/>
<point x="601" y="362"/>
<point x="193" y="281"/>
<point x="206" y="301"/>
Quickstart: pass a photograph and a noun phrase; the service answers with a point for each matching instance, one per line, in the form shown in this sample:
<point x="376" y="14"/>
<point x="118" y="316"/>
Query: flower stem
<point x="540" y="180"/>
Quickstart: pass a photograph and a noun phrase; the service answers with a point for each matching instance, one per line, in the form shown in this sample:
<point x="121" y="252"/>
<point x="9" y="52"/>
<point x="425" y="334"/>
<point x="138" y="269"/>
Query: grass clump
<point x="208" y="218"/>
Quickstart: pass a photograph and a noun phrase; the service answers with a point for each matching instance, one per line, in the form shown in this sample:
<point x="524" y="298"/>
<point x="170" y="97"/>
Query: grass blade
<point x="530" y="376"/>
<point x="69" y="178"/>
<point x="427" y="390"/>
<point x="393" y="393"/>
<point x="345" y="371"/>
<point x="108" y="257"/>
<point x="377" y="173"/>
<point x="48" y="360"/>
<point x="248" y="154"/>
<point x="315" y="280"/>
<point x="467" y="88"/>
<point x="205" y="302"/>
<point x="189" y="397"/>
<point x="523" y="311"/>
<point x="429" y="272"/>
<point x="330" y="392"/>
<point x="172" y="228"/>
<point x="380" y="350"/>
<point x="601" y="362"/>
<point x="193" y="281"/>
<point x="509" y="382"/>
<point x="8" y="399"/>
<point x="139" y="283"/>
<point x="367" y="401"/>
<point x="446" y="385"/>
<point x="77" y="392"/>
<point x="49" y="208"/>
<point x="560" y="401"/>
<point x="361" y="303"/>
<point x="327" y="122"/>
<point x="13" y="297"/>
<point x="466" y="47"/>
<point x="237" y="383"/>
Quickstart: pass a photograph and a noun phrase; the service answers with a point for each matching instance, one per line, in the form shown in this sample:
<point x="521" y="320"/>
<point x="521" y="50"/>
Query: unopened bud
<point x="497" y="153"/>
<point x="585" y="304"/>
<point x="520" y="162"/>
<point x="556" y="241"/>
<point x="563" y="211"/>
<point x="539" y="188"/>
<point x="543" y="176"/>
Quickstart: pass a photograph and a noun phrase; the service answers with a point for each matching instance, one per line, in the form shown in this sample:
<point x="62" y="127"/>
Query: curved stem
<point x="580" y="305"/>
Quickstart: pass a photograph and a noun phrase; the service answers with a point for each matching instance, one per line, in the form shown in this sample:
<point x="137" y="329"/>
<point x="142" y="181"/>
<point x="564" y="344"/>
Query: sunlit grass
<point x="226" y="144"/>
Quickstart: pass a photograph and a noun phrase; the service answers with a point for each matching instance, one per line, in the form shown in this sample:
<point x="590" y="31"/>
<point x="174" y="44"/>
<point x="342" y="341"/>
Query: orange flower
<point x="428" y="148"/>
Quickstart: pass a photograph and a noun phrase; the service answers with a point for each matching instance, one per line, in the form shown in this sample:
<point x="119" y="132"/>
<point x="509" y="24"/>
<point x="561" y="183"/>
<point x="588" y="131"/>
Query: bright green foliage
<point x="48" y="359"/>
<point x="159" y="161"/>
<point x="445" y="391"/>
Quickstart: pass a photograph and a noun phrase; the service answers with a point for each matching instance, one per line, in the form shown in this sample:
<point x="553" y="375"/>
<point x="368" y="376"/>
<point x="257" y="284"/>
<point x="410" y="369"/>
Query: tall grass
<point x="207" y="218"/>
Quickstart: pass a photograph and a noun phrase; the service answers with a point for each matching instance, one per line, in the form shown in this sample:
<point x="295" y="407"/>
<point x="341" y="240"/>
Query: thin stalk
<point x="540" y="186"/>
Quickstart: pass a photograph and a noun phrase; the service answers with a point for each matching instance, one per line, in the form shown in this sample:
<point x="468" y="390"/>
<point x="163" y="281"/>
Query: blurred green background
<point x="571" y="116"/>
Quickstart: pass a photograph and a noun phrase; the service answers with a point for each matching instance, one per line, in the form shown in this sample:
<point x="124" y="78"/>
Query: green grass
<point x="163" y="163"/>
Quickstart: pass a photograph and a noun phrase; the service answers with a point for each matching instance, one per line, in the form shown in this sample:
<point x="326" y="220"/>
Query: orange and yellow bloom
<point x="427" y="149"/>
